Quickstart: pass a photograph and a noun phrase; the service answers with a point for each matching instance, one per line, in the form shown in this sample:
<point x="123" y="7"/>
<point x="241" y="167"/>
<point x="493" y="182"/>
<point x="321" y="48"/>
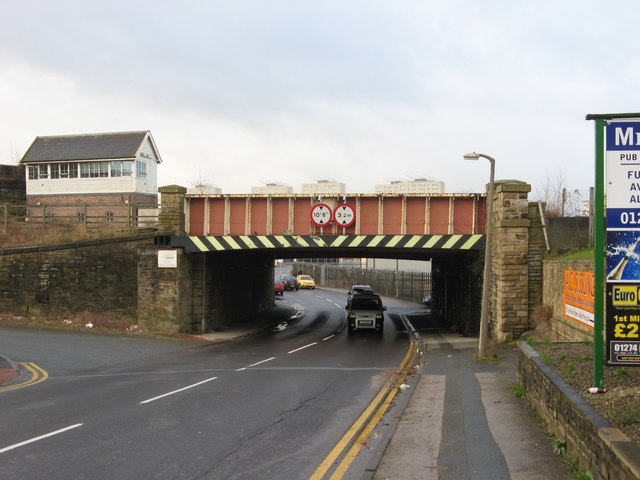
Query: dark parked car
<point x="291" y="283"/>
<point x="359" y="290"/>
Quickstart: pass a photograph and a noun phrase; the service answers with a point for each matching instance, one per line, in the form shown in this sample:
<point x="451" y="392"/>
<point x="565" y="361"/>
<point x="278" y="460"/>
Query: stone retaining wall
<point x="90" y="275"/>
<point x="599" y="446"/>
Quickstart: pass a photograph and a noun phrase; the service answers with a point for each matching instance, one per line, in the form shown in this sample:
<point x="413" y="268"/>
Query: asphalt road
<point x="269" y="406"/>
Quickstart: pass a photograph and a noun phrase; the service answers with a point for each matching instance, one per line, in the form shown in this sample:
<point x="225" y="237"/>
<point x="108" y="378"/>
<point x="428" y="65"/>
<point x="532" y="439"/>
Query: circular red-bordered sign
<point x="321" y="214"/>
<point x="344" y="215"/>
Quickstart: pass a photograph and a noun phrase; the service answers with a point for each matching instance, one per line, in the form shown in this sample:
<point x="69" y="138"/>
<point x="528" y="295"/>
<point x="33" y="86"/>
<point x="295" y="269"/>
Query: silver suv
<point x="365" y="312"/>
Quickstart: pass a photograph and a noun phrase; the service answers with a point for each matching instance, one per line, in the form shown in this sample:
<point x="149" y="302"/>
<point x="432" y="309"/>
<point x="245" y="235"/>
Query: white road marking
<point x="330" y="336"/>
<point x="254" y="364"/>
<point x="306" y="346"/>
<point x="35" y="439"/>
<point x="177" y="391"/>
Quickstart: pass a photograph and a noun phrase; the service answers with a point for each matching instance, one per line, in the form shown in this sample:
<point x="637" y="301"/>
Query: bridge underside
<point x="293" y="246"/>
<point x="216" y="262"/>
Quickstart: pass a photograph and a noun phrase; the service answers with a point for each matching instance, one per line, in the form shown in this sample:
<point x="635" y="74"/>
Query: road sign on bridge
<point x="344" y="215"/>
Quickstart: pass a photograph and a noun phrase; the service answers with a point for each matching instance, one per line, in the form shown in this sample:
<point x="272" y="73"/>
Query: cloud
<point x="362" y="92"/>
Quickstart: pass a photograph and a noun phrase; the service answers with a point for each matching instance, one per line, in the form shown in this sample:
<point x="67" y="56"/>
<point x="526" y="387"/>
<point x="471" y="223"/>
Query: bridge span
<point x="222" y="240"/>
<point x="371" y="214"/>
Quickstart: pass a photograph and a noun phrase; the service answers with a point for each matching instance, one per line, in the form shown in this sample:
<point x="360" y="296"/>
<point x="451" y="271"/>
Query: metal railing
<point x="116" y="216"/>
<point x="401" y="284"/>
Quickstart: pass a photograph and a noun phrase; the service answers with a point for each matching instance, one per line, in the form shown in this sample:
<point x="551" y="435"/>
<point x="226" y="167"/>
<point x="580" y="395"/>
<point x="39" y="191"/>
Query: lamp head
<point x="471" y="156"/>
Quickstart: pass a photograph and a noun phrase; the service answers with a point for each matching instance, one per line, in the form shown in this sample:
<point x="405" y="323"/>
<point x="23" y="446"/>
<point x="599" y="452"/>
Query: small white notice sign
<point x="167" y="258"/>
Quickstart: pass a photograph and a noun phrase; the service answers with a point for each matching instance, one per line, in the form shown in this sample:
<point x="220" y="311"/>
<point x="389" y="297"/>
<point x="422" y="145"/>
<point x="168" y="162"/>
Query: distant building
<point x="271" y="188"/>
<point x="116" y="171"/>
<point x="324" y="187"/>
<point x="204" y="190"/>
<point x="419" y="185"/>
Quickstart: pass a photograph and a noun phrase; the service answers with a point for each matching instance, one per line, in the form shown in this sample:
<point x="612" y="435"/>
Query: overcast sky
<point x="239" y="93"/>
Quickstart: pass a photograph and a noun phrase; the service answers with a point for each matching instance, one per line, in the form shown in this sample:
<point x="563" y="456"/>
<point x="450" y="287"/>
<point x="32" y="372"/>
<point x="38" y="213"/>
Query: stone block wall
<point x="164" y="294"/>
<point x="598" y="445"/>
<point x="95" y="275"/>
<point x="537" y="251"/>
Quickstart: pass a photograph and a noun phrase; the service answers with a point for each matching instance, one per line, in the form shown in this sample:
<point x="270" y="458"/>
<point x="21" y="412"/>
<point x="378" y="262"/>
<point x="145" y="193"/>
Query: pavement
<point x="463" y="421"/>
<point x="460" y="420"/>
<point x="8" y="370"/>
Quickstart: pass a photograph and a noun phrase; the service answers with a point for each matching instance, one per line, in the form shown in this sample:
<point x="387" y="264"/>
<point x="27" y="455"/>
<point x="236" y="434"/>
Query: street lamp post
<point x="484" y="313"/>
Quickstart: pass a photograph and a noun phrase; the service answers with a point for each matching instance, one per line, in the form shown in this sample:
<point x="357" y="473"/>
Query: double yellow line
<point x="365" y="423"/>
<point x="38" y="375"/>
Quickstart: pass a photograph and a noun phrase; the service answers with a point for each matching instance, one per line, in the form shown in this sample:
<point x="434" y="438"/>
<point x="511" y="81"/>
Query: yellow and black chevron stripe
<point x="219" y="243"/>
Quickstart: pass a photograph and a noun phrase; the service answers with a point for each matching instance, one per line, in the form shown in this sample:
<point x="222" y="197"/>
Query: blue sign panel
<point x="623" y="218"/>
<point x="623" y="136"/>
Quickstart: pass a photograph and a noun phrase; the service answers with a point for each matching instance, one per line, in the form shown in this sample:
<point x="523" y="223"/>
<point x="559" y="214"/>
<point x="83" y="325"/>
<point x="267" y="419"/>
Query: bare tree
<point x="560" y="201"/>
<point x="201" y="183"/>
<point x="14" y="155"/>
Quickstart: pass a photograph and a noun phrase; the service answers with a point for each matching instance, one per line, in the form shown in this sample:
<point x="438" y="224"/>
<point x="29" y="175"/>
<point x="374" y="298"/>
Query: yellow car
<point x="306" y="281"/>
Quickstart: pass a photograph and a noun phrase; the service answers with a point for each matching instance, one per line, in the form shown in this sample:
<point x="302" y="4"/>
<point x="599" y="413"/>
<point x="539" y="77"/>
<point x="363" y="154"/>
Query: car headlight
<point x="378" y="316"/>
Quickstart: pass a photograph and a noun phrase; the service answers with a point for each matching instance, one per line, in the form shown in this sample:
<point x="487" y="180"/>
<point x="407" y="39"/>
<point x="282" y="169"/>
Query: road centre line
<point x="41" y="437"/>
<point x="177" y="391"/>
<point x="301" y="348"/>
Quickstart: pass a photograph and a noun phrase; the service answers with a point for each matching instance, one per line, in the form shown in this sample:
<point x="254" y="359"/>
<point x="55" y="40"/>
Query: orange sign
<point x="579" y="288"/>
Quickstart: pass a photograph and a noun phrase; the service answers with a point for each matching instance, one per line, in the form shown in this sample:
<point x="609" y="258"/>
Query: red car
<point x="278" y="287"/>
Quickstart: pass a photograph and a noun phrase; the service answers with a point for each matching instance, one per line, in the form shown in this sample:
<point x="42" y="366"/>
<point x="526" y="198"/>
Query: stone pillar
<point x="172" y="214"/>
<point x="509" y="304"/>
<point x="164" y="294"/>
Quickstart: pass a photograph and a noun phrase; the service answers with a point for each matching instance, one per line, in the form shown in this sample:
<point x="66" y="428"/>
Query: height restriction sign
<point x="344" y="215"/>
<point x="321" y="214"/>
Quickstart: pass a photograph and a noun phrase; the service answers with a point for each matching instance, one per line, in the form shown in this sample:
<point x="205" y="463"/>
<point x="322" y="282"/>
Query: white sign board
<point x="623" y="174"/>
<point x="167" y="258"/>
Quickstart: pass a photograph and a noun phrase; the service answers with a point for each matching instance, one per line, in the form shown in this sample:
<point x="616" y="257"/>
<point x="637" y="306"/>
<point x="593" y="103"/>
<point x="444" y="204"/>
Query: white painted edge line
<point x="177" y="391"/>
<point x="327" y="338"/>
<point x="255" y="364"/>
<point x="41" y="437"/>
<point x="301" y="348"/>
